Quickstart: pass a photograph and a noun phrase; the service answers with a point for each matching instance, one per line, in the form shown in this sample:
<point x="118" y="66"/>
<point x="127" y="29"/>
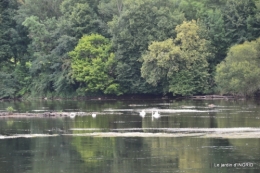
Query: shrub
<point x="10" y="109"/>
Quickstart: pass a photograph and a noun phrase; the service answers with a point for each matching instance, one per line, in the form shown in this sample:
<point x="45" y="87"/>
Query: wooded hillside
<point x="66" y="48"/>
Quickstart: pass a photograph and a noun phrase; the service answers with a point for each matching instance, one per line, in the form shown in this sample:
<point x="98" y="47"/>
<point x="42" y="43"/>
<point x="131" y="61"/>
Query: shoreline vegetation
<point x="67" y="48"/>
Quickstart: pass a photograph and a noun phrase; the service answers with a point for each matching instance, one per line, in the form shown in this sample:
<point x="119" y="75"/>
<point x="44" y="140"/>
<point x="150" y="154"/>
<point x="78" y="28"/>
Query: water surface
<point x="188" y="137"/>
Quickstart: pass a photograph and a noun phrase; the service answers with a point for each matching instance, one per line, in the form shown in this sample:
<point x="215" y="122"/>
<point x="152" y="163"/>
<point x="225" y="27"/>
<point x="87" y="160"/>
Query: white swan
<point x="94" y="115"/>
<point x="142" y="113"/>
<point x="156" y="114"/>
<point x="72" y="115"/>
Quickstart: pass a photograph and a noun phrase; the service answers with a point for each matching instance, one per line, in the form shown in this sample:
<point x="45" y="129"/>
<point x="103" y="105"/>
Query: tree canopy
<point x="144" y="47"/>
<point x="93" y="65"/>
<point x="239" y="73"/>
<point x="180" y="64"/>
<point x="140" y="23"/>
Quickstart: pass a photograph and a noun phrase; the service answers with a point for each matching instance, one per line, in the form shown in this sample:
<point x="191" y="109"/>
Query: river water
<point x="188" y="137"/>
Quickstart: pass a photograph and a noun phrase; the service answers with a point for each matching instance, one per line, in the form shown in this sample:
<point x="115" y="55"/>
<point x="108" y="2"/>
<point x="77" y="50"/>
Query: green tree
<point x="107" y="9"/>
<point x="7" y="23"/>
<point x="193" y="9"/>
<point x="13" y="48"/>
<point x="140" y="23"/>
<point x="215" y="25"/>
<point x="93" y="65"/>
<point x="181" y="64"/>
<point x="239" y="73"/>
<point x="13" y="40"/>
<point x="54" y="32"/>
<point x="43" y="9"/>
<point x="199" y="9"/>
<point x="50" y="65"/>
<point x="82" y="16"/>
<point x="160" y="62"/>
<point x="40" y="47"/>
<point x="241" y="21"/>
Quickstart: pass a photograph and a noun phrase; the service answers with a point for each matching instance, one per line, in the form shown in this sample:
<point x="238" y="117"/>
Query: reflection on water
<point x="119" y="140"/>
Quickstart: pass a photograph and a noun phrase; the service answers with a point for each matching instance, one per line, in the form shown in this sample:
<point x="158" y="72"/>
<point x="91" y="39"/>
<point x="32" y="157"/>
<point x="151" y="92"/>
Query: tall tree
<point x="41" y="8"/>
<point x="107" y="9"/>
<point x="140" y="23"/>
<point x="239" y="73"/>
<point x="82" y="16"/>
<point x="198" y="9"/>
<point x="93" y="65"/>
<point x="50" y="64"/>
<point x="217" y="34"/>
<point x="13" y="45"/>
<point x="13" y="41"/>
<point x="241" y="22"/>
<point x="54" y="29"/>
<point x="181" y="64"/>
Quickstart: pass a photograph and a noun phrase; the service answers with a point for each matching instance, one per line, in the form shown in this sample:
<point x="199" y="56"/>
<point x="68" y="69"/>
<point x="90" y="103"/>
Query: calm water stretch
<point x="187" y="136"/>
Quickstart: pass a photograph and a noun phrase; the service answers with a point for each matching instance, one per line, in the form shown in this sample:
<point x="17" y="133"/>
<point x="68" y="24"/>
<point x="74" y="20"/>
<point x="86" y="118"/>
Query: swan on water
<point x="72" y="115"/>
<point x="94" y="115"/>
<point x="156" y="114"/>
<point x="142" y="113"/>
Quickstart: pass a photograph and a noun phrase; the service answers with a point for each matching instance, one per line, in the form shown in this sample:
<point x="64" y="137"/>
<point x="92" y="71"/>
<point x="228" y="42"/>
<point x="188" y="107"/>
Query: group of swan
<point x="154" y="114"/>
<point x="73" y="115"/>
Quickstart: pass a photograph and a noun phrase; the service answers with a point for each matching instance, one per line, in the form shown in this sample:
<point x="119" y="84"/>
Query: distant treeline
<point x="64" y="48"/>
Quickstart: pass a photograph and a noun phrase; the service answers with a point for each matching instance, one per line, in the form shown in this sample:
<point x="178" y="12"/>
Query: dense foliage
<point x="181" y="64"/>
<point x="239" y="73"/>
<point x="93" y="65"/>
<point x="63" y="48"/>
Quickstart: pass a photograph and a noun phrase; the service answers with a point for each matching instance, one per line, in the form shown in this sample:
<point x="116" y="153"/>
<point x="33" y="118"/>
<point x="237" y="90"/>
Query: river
<point x="189" y="136"/>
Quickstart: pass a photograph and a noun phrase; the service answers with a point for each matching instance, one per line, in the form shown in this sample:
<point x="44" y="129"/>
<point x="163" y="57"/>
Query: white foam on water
<point x="40" y="110"/>
<point x="84" y="129"/>
<point x="26" y="136"/>
<point x="122" y="110"/>
<point x="160" y="110"/>
<point x="245" y="111"/>
<point x="118" y="122"/>
<point x="245" y="132"/>
<point x="191" y="130"/>
<point x="217" y="130"/>
<point x="135" y="105"/>
<point x="183" y="110"/>
<point x="132" y="134"/>
<point x="162" y="104"/>
<point x="188" y="107"/>
<point x="226" y="109"/>
<point x="236" y="135"/>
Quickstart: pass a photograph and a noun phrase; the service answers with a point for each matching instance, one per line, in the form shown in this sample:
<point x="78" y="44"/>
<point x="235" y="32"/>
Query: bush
<point x="239" y="73"/>
<point x="10" y="109"/>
